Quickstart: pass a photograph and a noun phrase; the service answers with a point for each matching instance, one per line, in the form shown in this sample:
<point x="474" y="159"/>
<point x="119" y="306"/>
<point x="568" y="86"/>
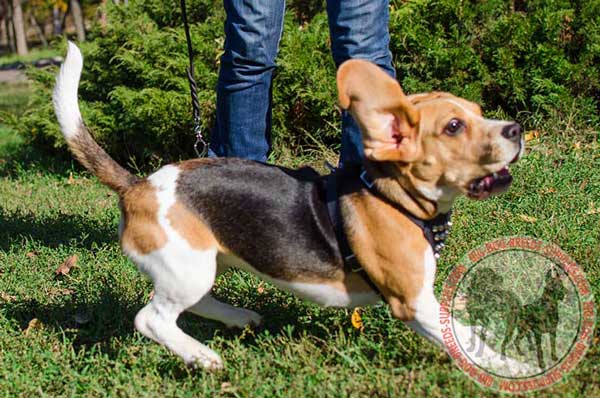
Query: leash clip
<point x="200" y="141"/>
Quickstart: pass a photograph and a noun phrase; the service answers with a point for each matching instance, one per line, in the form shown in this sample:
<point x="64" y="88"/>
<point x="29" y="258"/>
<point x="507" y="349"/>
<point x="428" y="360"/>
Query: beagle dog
<point x="187" y="222"/>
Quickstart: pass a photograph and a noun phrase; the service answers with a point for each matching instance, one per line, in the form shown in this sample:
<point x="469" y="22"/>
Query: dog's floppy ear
<point x="389" y="122"/>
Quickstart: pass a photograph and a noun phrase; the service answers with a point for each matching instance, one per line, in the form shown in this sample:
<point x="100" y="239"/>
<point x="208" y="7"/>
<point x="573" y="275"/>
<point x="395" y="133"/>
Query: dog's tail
<point x="77" y="135"/>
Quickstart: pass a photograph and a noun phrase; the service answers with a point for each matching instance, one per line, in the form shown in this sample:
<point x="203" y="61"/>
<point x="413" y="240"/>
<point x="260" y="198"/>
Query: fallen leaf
<point x="260" y="289"/>
<point x="71" y="180"/>
<point x="583" y="185"/>
<point x="151" y="295"/>
<point x="7" y="297"/>
<point x="593" y="209"/>
<point x="577" y="145"/>
<point x="460" y="302"/>
<point x="66" y="266"/>
<point x="548" y="190"/>
<point x="356" y="320"/>
<point x="33" y="324"/>
<point x="527" y="218"/>
<point x="530" y="135"/>
<point x="31" y="255"/>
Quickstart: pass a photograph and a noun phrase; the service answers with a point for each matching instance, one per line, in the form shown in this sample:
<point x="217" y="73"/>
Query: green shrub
<point x="515" y="57"/>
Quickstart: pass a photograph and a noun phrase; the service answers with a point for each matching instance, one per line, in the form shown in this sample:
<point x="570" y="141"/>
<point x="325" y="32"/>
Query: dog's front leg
<point x="427" y="322"/>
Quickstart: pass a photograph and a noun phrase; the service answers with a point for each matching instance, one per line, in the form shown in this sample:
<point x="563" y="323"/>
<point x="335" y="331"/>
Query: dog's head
<point x="441" y="142"/>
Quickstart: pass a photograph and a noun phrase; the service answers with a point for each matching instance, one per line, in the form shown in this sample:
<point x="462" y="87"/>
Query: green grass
<point x="14" y="98"/>
<point x="86" y="345"/>
<point x="32" y="56"/>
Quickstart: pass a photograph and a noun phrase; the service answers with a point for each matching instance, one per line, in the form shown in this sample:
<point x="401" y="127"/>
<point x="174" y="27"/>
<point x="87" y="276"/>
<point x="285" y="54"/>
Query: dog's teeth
<point x="495" y="175"/>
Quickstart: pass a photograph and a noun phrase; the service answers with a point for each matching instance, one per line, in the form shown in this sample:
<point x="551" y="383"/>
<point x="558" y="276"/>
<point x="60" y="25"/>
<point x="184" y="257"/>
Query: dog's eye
<point x="454" y="127"/>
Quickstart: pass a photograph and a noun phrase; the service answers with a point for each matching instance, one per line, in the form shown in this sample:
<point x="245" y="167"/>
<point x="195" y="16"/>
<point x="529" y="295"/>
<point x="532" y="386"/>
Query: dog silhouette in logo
<point x="485" y="299"/>
<point x="538" y="318"/>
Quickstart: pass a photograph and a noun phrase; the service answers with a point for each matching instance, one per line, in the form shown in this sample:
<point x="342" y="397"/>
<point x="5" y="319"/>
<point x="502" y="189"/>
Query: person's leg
<point x="252" y="33"/>
<point x="358" y="29"/>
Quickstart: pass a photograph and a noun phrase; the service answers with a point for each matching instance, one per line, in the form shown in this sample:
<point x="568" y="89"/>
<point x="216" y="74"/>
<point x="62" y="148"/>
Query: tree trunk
<point x="103" y="17"/>
<point x="3" y="33"/>
<point x="3" y="17"/>
<point x="38" y="30"/>
<point x="10" y="32"/>
<point x="19" y="25"/>
<point x="56" y="21"/>
<point x="77" y="14"/>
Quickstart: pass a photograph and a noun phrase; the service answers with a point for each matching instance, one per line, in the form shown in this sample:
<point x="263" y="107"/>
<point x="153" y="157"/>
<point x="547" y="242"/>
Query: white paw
<point x="243" y="318"/>
<point x="519" y="368"/>
<point x="507" y="366"/>
<point x="204" y="358"/>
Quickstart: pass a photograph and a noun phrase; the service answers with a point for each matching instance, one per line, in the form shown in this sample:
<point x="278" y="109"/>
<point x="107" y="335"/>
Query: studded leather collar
<point x="435" y="230"/>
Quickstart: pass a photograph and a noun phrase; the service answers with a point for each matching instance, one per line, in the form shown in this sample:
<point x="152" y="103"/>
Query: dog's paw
<point x="507" y="366"/>
<point x="522" y="369"/>
<point x="204" y="358"/>
<point x="243" y="318"/>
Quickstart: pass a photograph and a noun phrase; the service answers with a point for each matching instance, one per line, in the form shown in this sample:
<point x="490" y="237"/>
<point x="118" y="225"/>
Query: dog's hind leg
<point x="211" y="308"/>
<point x="181" y="276"/>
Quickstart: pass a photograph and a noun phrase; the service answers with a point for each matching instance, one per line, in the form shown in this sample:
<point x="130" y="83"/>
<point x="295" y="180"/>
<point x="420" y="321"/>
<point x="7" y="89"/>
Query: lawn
<point x="33" y="55"/>
<point x="72" y="335"/>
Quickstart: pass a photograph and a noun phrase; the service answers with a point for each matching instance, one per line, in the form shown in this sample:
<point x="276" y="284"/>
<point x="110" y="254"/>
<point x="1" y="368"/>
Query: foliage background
<point x="528" y="60"/>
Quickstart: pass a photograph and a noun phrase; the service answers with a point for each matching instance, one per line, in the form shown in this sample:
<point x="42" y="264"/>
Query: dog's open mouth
<point x="491" y="184"/>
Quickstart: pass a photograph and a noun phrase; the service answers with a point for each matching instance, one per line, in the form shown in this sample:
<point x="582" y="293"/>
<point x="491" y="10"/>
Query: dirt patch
<point x="12" y="76"/>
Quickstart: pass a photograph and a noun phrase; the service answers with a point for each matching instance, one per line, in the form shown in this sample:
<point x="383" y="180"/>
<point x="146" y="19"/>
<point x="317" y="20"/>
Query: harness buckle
<point x="364" y="177"/>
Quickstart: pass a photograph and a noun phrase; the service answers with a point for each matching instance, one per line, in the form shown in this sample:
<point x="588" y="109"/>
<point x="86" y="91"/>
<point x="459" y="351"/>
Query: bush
<point x="539" y="57"/>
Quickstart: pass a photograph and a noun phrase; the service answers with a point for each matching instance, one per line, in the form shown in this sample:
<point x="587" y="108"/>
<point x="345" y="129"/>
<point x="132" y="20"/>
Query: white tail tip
<point x="64" y="98"/>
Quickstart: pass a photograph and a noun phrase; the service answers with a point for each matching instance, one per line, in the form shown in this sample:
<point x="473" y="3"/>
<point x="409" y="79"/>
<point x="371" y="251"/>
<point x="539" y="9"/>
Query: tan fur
<point x="97" y="161"/>
<point x="390" y="247"/>
<point x="191" y="228"/>
<point x="427" y="169"/>
<point x="192" y="164"/>
<point x="141" y="231"/>
<point x="455" y="161"/>
<point x="388" y="123"/>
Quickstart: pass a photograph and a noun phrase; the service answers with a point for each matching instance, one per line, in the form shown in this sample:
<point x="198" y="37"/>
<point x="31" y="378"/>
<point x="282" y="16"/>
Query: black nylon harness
<point x="435" y="230"/>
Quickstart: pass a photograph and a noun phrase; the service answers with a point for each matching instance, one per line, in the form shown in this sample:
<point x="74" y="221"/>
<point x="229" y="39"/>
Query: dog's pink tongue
<point x="487" y="181"/>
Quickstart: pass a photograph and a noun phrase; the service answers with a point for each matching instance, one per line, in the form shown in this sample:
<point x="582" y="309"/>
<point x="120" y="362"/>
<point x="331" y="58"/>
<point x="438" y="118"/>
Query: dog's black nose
<point x="512" y="132"/>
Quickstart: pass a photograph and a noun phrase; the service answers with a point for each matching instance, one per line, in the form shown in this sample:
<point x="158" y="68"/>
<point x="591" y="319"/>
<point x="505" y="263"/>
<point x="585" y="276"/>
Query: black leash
<point x="193" y="88"/>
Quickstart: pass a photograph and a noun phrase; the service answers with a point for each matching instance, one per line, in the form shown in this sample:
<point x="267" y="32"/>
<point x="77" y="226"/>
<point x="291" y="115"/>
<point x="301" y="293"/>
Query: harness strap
<point x="435" y="230"/>
<point x="333" y="208"/>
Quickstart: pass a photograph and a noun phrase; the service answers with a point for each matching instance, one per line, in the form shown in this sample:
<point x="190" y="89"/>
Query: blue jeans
<point x="358" y="29"/>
